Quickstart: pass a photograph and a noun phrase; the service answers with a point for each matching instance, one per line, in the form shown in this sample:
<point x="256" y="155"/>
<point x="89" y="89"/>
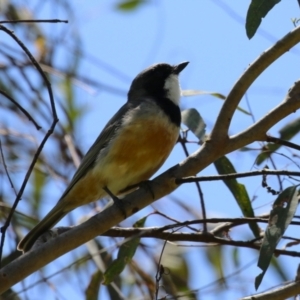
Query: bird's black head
<point x="158" y="81"/>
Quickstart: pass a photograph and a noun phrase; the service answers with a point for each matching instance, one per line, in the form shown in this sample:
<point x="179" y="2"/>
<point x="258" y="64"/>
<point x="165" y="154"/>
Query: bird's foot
<point x="116" y="200"/>
<point x="146" y="186"/>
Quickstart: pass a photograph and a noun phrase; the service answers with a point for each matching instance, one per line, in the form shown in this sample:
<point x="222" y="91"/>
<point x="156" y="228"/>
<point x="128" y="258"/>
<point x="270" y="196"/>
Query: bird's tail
<point x="53" y="217"/>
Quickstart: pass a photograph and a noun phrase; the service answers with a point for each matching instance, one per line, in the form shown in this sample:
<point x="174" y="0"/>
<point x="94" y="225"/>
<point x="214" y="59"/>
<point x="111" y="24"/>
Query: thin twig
<point x="279" y="141"/>
<point x="160" y="271"/>
<point x="236" y="175"/>
<point x="35" y="21"/>
<point x="20" y="107"/>
<point x="182" y="142"/>
<point x="160" y="267"/>
<point x="190" y="237"/>
<point x="39" y="150"/>
<point x="278" y="176"/>
<point x="174" y="220"/>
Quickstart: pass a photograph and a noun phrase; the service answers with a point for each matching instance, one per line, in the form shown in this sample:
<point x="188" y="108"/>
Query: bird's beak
<point x="178" y="68"/>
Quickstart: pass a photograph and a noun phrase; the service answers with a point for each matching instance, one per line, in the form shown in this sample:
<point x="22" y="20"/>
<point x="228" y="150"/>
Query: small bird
<point x="130" y="149"/>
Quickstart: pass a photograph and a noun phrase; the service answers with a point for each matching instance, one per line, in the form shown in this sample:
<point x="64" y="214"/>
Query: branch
<point x="188" y="237"/>
<point x="279" y="141"/>
<point x="226" y="224"/>
<point x="257" y="131"/>
<point x="236" y="175"/>
<point x="221" y="127"/>
<point x="34" y="21"/>
<point x="283" y="292"/>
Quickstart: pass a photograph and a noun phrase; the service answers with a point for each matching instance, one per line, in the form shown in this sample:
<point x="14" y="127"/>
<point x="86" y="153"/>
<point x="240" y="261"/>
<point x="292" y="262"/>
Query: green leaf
<point x="224" y="166"/>
<point x="193" y="121"/>
<point x="92" y="291"/>
<point x="290" y="130"/>
<point x="258" y="9"/>
<point x="245" y="149"/>
<point x="125" y="254"/>
<point x="243" y="111"/>
<point x="100" y="257"/>
<point x="129" y="5"/>
<point x="281" y="215"/>
<point x="266" y="153"/>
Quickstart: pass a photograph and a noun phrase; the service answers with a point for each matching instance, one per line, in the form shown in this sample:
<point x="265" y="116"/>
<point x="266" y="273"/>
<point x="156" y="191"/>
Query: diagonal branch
<point x="258" y="131"/>
<point x="220" y="130"/>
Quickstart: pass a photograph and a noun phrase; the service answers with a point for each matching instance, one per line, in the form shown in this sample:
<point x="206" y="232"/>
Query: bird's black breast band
<point x="171" y="110"/>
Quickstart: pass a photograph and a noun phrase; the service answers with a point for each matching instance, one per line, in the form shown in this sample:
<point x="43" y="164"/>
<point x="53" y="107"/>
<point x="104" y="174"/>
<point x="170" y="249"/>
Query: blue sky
<point x="211" y="35"/>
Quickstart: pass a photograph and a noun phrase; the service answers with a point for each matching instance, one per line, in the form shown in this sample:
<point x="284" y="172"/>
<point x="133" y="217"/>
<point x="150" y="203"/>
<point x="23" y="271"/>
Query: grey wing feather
<point x="103" y="139"/>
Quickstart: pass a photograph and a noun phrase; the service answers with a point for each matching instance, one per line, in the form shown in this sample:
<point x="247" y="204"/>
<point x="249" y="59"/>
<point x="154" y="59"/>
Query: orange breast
<point x="134" y="155"/>
<point x="139" y="151"/>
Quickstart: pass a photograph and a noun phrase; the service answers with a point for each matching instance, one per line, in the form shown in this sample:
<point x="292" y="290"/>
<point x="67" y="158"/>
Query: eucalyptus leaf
<point x="257" y="10"/>
<point x="192" y="119"/>
<point x="281" y="215"/>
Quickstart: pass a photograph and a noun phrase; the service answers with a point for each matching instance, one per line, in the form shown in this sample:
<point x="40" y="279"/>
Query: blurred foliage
<point x="125" y="254"/>
<point x="130" y="5"/>
<point x="176" y="273"/>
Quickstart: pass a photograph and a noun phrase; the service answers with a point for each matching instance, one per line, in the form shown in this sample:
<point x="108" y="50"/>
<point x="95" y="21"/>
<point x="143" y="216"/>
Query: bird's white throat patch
<point x="172" y="87"/>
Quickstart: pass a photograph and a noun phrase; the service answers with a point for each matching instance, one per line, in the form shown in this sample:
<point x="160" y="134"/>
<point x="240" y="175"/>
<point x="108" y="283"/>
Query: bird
<point x="133" y="145"/>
